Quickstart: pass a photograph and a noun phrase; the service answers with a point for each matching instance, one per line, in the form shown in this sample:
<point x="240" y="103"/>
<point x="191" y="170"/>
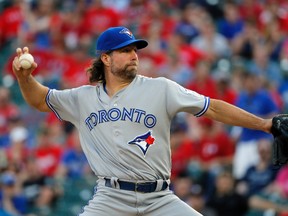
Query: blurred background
<point x="233" y="50"/>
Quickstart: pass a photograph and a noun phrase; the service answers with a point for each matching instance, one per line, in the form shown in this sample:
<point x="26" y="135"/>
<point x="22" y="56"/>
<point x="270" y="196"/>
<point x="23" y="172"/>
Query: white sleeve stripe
<point x="51" y="106"/>
<point x="206" y="105"/>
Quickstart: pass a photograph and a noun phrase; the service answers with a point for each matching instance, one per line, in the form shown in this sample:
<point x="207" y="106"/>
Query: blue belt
<point x="143" y="187"/>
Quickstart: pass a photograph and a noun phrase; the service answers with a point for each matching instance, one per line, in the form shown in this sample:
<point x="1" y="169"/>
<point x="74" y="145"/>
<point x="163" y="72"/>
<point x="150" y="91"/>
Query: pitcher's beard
<point x="127" y="73"/>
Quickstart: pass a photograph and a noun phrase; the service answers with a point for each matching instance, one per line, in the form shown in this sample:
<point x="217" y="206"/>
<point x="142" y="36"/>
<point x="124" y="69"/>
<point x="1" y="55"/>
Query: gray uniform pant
<point x="116" y="202"/>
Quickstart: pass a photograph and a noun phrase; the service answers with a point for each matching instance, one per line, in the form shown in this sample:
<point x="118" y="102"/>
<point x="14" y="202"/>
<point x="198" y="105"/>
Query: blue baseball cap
<point x="115" y="38"/>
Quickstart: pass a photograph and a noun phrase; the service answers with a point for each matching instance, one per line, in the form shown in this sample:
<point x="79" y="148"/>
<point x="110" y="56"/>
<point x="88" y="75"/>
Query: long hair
<point x="96" y="71"/>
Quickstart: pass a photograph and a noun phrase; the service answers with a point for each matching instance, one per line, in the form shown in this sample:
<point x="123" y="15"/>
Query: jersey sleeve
<point x="64" y="104"/>
<point x="180" y="99"/>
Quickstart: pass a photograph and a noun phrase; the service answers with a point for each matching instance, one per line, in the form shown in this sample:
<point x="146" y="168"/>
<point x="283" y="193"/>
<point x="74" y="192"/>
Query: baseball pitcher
<point x="124" y="126"/>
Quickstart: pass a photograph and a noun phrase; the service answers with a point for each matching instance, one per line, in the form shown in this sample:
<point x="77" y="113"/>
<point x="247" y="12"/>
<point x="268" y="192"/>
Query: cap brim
<point x="140" y="44"/>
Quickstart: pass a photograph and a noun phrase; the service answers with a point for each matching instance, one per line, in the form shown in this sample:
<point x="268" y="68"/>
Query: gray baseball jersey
<point x="127" y="136"/>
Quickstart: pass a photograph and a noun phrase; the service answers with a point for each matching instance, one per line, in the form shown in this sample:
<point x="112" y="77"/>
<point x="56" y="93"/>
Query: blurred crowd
<point x="234" y="50"/>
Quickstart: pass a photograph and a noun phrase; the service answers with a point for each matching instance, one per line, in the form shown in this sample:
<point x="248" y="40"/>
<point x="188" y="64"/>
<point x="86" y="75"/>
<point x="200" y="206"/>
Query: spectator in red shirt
<point x="75" y="75"/>
<point x="216" y="147"/>
<point x="182" y="147"/>
<point x="188" y="54"/>
<point x="224" y="91"/>
<point x="10" y="22"/>
<point x="215" y="152"/>
<point x="98" y="18"/>
<point x="47" y="153"/>
<point x="72" y="30"/>
<point x="158" y="18"/>
<point x="274" y="10"/>
<point x="250" y="10"/>
<point x="8" y="111"/>
<point x="203" y="82"/>
<point x="57" y="64"/>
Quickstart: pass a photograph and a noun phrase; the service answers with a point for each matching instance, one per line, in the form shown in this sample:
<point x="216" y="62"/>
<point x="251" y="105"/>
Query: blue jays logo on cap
<point x="115" y="38"/>
<point x="127" y="31"/>
<point x="143" y="141"/>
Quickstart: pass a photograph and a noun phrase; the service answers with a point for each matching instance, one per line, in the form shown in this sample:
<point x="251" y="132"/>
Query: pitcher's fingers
<point x="16" y="64"/>
<point x="19" y="52"/>
<point x="26" y="50"/>
<point x="34" y="65"/>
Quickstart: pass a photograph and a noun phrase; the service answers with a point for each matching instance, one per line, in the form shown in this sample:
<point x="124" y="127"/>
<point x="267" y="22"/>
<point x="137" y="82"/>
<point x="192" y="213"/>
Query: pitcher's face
<point x="124" y="62"/>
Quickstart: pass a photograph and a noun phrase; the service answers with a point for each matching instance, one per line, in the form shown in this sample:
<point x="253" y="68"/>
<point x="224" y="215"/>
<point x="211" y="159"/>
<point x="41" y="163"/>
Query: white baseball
<point x="26" y="60"/>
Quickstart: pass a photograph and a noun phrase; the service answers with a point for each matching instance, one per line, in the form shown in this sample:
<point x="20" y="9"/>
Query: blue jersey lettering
<point x="115" y="114"/>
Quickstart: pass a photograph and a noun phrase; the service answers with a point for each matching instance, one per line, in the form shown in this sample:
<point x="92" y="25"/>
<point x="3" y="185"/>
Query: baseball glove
<point x="280" y="145"/>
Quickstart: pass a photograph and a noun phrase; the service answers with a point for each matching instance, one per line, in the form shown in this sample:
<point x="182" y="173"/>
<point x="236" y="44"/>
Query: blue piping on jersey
<point x="104" y="87"/>
<point x="50" y="105"/>
<point x="206" y="105"/>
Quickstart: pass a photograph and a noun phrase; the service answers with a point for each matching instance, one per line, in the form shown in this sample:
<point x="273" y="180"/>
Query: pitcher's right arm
<point x="33" y="92"/>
